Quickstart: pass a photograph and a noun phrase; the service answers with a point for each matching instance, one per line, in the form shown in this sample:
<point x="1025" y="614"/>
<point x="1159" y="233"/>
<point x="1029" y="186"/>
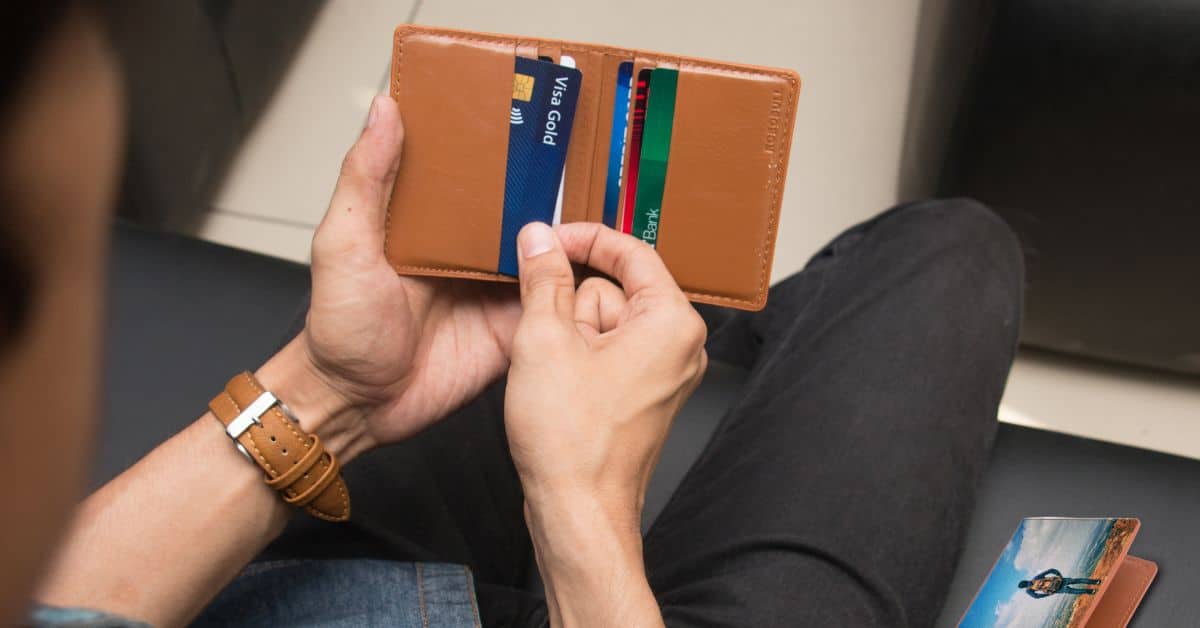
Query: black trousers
<point x="835" y="492"/>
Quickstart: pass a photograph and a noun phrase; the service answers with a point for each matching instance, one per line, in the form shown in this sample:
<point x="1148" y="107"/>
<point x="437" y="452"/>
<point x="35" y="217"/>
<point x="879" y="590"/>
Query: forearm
<point x="591" y="564"/>
<point x="161" y="540"/>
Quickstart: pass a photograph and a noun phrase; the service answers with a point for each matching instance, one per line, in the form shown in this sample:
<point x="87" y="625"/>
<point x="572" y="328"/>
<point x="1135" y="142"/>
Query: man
<point x="1052" y="581"/>
<point x="517" y="421"/>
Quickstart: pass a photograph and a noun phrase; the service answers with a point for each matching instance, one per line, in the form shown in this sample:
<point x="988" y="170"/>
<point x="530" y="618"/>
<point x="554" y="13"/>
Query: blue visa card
<point x="616" y="143"/>
<point x="539" y="130"/>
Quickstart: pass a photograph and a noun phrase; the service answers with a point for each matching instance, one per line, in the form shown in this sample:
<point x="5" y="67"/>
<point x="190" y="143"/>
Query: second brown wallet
<point x="729" y="147"/>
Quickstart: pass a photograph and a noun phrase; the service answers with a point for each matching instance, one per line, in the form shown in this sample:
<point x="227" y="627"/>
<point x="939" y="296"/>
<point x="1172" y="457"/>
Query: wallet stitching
<point x="591" y="169"/>
<point x="476" y="274"/>
<point x="395" y="92"/>
<point x="776" y="189"/>
<point x="776" y="180"/>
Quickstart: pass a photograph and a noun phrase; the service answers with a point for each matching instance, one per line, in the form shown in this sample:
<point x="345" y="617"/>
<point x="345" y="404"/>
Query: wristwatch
<point x="295" y="463"/>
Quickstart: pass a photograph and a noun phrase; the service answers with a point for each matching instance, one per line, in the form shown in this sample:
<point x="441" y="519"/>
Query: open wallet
<point x="1068" y="572"/>
<point x="687" y="154"/>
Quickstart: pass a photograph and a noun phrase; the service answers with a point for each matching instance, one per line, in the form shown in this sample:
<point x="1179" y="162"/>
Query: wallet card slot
<point x="639" y="63"/>
<point x="578" y="168"/>
<point x="550" y="51"/>
<point x="527" y="49"/>
<point x="724" y="180"/>
<point x="454" y="92"/>
<point x="606" y="95"/>
<point x="447" y="207"/>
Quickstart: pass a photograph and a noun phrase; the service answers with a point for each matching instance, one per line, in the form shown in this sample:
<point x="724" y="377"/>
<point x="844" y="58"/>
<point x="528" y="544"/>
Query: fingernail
<point x="374" y="110"/>
<point x="536" y="238"/>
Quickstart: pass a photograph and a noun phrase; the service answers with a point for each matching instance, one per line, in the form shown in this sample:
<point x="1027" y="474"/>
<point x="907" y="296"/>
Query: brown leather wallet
<point x="1122" y="578"/>
<point x="728" y="158"/>
<point x="295" y="463"/>
<point x="1124" y="594"/>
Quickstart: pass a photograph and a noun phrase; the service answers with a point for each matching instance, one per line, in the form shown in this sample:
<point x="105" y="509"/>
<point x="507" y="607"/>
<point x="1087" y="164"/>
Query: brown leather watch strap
<point x="295" y="463"/>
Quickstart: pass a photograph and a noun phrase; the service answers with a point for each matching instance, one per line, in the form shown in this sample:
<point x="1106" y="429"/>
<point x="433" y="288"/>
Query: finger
<point x="547" y="282"/>
<point x="368" y="173"/>
<point x="618" y="255"/>
<point x="598" y="304"/>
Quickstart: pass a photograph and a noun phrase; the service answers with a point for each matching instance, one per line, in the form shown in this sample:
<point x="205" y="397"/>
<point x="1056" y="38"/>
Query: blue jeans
<point x="345" y="594"/>
<point x="328" y="593"/>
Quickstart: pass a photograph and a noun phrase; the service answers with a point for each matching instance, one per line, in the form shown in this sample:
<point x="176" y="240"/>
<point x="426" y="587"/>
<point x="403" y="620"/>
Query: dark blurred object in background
<point x="199" y="72"/>
<point x="1080" y="127"/>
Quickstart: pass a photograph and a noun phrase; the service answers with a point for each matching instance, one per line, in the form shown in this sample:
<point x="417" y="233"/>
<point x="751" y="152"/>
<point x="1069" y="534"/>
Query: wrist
<point x="590" y="558"/>
<point x="579" y="538"/>
<point x="317" y="403"/>
<point x="573" y="510"/>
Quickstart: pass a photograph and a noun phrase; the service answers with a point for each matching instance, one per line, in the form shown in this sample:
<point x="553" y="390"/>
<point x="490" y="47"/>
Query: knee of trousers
<point x="966" y="234"/>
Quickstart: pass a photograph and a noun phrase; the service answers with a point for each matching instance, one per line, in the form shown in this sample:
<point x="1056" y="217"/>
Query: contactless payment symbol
<point x="522" y="91"/>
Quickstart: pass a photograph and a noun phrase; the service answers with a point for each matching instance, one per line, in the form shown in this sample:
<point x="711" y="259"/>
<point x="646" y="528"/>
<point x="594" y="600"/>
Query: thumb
<point x="364" y="185"/>
<point x="547" y="282"/>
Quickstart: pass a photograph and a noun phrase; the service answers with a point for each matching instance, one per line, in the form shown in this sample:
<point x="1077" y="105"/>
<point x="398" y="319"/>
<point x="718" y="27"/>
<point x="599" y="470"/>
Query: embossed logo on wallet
<point x="774" y="119"/>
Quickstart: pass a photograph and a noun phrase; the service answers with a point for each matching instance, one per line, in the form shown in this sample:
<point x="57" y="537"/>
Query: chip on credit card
<point x="543" y="110"/>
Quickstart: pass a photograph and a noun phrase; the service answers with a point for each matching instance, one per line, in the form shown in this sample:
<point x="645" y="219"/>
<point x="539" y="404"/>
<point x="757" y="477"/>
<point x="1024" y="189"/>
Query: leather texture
<point x="295" y="463"/>
<point x="1124" y="594"/>
<point x="725" y="176"/>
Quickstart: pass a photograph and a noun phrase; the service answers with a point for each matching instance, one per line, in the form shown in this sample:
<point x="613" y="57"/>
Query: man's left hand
<point x="407" y="350"/>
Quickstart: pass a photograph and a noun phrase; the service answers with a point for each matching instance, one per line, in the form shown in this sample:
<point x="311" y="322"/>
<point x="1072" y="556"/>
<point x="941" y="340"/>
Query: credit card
<point x="656" y="146"/>
<point x="543" y="110"/>
<point x="569" y="62"/>
<point x="635" y="148"/>
<point x="616" y="143"/>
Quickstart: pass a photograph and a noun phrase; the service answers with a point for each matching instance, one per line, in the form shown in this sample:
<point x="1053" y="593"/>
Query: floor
<point x="859" y="64"/>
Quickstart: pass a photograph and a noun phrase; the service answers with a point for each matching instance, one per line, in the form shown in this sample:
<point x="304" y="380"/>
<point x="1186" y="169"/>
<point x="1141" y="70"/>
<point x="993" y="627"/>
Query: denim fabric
<point x="326" y="593"/>
<point x="55" y="617"/>
<point x="345" y="594"/>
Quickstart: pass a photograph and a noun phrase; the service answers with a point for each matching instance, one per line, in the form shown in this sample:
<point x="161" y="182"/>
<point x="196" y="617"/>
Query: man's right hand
<point x="598" y="373"/>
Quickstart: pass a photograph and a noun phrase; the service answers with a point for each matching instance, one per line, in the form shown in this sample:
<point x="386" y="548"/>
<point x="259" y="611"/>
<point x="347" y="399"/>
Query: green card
<point x="656" y="144"/>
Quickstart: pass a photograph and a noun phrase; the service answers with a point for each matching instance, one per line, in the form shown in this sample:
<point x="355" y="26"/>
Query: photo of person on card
<point x="1052" y="581"/>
